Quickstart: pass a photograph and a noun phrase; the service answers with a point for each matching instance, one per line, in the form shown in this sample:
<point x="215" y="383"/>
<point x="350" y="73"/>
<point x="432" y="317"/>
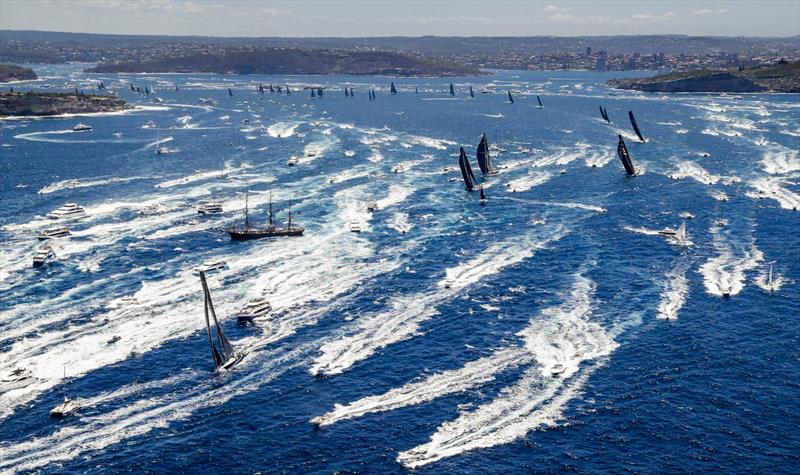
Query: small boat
<point x="255" y="308"/>
<point x="392" y="90"/>
<point x="209" y="207"/>
<point x="668" y="232"/>
<point x="557" y="370"/>
<point x="510" y="97"/>
<point x="770" y="281"/>
<point x="162" y="150"/>
<point x="44" y="255"/>
<point x="471" y="93"/>
<point x="82" y="128"/>
<point x="539" y="100"/>
<point x="398" y="169"/>
<point x="149" y="125"/>
<point x="210" y="266"/>
<point x="686" y="215"/>
<point x="129" y="300"/>
<point x="483" y="196"/>
<point x="448" y="283"/>
<point x="248" y="231"/>
<point x="355" y="226"/>
<point x="293" y="161"/>
<point x="680" y="235"/>
<point x="53" y="233"/>
<point x="452" y="90"/>
<point x="66" y="408"/>
<point x="726" y="291"/>
<point x="113" y="339"/>
<point x="68" y="211"/>
<point x="222" y="352"/>
<point x="372" y="207"/>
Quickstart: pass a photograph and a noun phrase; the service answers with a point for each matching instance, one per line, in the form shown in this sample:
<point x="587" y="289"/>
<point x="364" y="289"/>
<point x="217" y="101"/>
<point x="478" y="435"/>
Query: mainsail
<point x="393" y="90"/>
<point x="635" y="126"/>
<point x="622" y="151"/>
<point x="452" y="91"/>
<point x="483" y="195"/>
<point x="288" y="91"/>
<point x="540" y="100"/>
<point x="313" y="92"/>
<point x="466" y="171"/>
<point x="221" y="349"/>
<point x="271" y="89"/>
<point x="510" y="98"/>
<point x="604" y="114"/>
<point x="680" y="235"/>
<point x="416" y="89"/>
<point x="346" y="92"/>
<point x="484" y="159"/>
<point x="352" y="94"/>
<point x="230" y="93"/>
<point x="471" y="94"/>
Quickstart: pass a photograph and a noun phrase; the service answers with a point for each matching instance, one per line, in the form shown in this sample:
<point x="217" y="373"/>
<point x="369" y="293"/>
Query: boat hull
<point x="249" y="235"/>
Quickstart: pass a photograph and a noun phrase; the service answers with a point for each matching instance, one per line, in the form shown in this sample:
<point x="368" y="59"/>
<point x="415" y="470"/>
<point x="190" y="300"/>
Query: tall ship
<point x="249" y="231"/>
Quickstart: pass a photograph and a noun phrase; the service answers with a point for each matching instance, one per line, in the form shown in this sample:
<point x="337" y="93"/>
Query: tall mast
<point x="270" y="207"/>
<point x="246" y="213"/>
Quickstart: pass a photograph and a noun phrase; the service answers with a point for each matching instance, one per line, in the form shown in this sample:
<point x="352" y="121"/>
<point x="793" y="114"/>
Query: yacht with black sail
<point x="484" y="159"/>
<point x="466" y="171"/>
<point x="635" y="126"/>
<point x="248" y="231"/>
<point x="625" y="157"/>
<point x="222" y="352"/>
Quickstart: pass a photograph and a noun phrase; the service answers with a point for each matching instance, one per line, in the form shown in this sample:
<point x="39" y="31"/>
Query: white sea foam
<point x="674" y="289"/>
<point x="725" y="273"/>
<point x="527" y="182"/>
<point x="76" y="183"/>
<point x="780" y="160"/>
<point x="283" y="129"/>
<point x="694" y="171"/>
<point x="770" y="187"/>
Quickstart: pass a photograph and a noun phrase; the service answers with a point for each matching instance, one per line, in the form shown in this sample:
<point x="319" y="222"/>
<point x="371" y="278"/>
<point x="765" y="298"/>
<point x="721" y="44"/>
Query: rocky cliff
<point x="12" y="72"/>
<point x="37" y="104"/>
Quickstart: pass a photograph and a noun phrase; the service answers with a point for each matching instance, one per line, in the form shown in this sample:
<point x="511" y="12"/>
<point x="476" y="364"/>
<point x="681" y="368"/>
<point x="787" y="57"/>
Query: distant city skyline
<point x="311" y="18"/>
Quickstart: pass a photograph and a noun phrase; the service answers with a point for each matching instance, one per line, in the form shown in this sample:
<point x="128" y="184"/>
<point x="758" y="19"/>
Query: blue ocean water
<point x="428" y="341"/>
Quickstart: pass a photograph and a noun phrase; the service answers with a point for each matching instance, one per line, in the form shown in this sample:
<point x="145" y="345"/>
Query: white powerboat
<point x="211" y="266"/>
<point x="372" y="207"/>
<point x="53" y="233"/>
<point x="293" y="161"/>
<point x="398" y="169"/>
<point x="557" y="370"/>
<point x="255" y="308"/>
<point x="667" y="232"/>
<point x="209" y="207"/>
<point x="82" y="128"/>
<point x="44" y="255"/>
<point x="686" y="215"/>
<point x="68" y="211"/>
<point x="355" y="226"/>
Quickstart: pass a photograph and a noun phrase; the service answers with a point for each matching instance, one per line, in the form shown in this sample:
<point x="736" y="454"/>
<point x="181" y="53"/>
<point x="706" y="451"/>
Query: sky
<point x="348" y="18"/>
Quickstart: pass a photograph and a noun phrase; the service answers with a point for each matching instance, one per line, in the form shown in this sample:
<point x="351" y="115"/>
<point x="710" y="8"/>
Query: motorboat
<point x="113" y="339"/>
<point x="162" y="150"/>
<point x="668" y="232"/>
<point x="255" y="308"/>
<point x="211" y="266"/>
<point x="355" y="226"/>
<point x="209" y="207"/>
<point x="66" y="408"/>
<point x="149" y="125"/>
<point x="557" y="370"/>
<point x="53" y="233"/>
<point x="82" y="128"/>
<point x="686" y="215"/>
<point x="44" y="255"/>
<point x="398" y="169"/>
<point x="371" y="207"/>
<point x="293" y="161"/>
<point x="68" y="211"/>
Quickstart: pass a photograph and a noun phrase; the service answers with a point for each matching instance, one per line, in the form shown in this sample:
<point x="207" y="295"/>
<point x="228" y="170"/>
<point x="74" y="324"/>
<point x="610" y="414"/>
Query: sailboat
<point x="230" y="93"/>
<point x="604" y="114"/>
<point x="319" y="92"/>
<point x="352" y="94"/>
<point x="635" y="126"/>
<point x="248" y="231"/>
<point x="484" y="159"/>
<point x="471" y="93"/>
<point x="66" y="408"/>
<point x="224" y="355"/>
<point x="466" y="171"/>
<point x="288" y="91"/>
<point x="393" y="90"/>
<point x="416" y="90"/>
<point x="483" y="196"/>
<point x="271" y="89"/>
<point x="346" y="92"/>
<point x="510" y="98"/>
<point x="680" y="235"/>
<point x="313" y="94"/>
<point x="770" y="281"/>
<point x="539" y="100"/>
<point x="452" y="90"/>
<point x="625" y="157"/>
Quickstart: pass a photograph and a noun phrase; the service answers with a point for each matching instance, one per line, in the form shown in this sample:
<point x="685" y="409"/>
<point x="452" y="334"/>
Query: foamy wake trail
<point x="283" y="129"/>
<point x="675" y="287"/>
<point x="771" y="188"/>
<point x="75" y="183"/>
<point x="726" y="271"/>
<point x="527" y="182"/>
<point x="407" y="312"/>
<point x="200" y="176"/>
<point x="472" y="374"/>
<point x="696" y="172"/>
<point x="562" y="334"/>
<point x="780" y="160"/>
<point x="399" y="223"/>
<point x="561" y="157"/>
<point x="762" y="281"/>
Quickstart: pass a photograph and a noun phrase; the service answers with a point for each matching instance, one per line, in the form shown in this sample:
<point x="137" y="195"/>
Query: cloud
<point x="708" y="11"/>
<point x="555" y="9"/>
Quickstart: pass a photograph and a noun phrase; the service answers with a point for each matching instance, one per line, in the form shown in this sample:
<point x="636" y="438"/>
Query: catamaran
<point x="625" y="157"/>
<point x="68" y="211"/>
<point x="224" y="355"/>
<point x="484" y="159"/>
<point x="635" y="126"/>
<point x="248" y="231"/>
<point x="466" y="171"/>
<point x="255" y="308"/>
<point x="53" y="233"/>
